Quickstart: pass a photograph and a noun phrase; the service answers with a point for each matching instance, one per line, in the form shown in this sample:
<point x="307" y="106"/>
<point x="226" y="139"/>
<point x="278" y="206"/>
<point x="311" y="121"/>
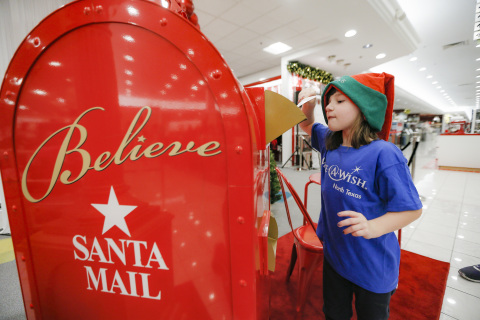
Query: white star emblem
<point x="114" y="213"/>
<point x="141" y="139"/>
<point x="356" y="169"/>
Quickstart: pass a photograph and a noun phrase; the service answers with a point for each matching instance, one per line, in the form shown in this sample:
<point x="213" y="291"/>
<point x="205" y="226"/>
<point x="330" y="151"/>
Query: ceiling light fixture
<point x="434" y="82"/>
<point x="277" y="48"/>
<point x="350" y="33"/>
<point x="413" y="59"/>
<point x="422" y="69"/>
<point x="381" y="56"/>
<point x="429" y="77"/>
<point x="368" y="45"/>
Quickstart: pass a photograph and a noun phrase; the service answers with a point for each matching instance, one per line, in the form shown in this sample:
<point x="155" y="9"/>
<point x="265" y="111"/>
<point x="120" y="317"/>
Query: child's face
<point x="341" y="112"/>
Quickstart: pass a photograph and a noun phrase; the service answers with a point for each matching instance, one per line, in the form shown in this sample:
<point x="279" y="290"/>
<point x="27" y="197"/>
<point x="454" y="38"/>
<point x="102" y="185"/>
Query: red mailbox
<point x="135" y="170"/>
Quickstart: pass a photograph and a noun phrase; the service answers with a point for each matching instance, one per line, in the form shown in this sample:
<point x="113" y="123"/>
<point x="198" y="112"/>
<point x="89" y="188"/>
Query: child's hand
<point x="357" y="224"/>
<point x="305" y="93"/>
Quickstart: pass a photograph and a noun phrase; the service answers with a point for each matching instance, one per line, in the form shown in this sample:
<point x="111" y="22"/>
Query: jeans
<point x="338" y="294"/>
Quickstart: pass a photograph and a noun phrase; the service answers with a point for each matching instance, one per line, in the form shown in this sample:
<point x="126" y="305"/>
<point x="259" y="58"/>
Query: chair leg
<point x="306" y="198"/>
<point x="306" y="194"/>
<point x="308" y="261"/>
<point x="293" y="260"/>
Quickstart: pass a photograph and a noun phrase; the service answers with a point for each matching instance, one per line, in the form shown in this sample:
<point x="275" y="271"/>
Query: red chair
<point x="307" y="247"/>
<point x="314" y="178"/>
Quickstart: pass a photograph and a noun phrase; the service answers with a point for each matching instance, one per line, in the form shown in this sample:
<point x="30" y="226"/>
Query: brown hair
<point x="362" y="132"/>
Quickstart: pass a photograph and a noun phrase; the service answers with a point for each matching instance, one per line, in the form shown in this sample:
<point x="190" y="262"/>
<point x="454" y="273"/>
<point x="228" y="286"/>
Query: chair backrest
<point x="283" y="181"/>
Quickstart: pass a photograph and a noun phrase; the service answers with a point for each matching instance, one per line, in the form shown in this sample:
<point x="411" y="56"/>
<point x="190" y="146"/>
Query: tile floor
<point x="448" y="230"/>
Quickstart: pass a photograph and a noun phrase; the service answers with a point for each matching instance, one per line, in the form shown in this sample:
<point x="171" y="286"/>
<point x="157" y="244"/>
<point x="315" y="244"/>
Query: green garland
<point x="308" y="72"/>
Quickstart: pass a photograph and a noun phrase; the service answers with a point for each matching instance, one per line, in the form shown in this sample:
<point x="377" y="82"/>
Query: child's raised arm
<point x="307" y="109"/>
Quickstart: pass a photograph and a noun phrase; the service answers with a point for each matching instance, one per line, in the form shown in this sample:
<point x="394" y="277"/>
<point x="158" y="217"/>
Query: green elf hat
<point x="372" y="93"/>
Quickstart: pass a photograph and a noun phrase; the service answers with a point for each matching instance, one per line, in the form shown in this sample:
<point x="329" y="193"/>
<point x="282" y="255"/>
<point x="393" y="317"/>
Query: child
<point x="367" y="194"/>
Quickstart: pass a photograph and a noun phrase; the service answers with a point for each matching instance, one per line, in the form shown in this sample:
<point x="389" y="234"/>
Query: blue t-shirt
<point x="373" y="180"/>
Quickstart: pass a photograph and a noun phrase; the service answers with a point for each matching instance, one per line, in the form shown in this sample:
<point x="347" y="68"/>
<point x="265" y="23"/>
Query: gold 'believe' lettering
<point x="105" y="159"/>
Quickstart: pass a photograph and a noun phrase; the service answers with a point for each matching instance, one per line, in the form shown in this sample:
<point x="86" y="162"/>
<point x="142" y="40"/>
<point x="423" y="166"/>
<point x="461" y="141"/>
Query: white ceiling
<point x="401" y="29"/>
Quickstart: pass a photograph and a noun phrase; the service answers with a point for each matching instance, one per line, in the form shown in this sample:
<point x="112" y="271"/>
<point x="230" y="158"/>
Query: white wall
<point x="265" y="74"/>
<point x="4" y="225"/>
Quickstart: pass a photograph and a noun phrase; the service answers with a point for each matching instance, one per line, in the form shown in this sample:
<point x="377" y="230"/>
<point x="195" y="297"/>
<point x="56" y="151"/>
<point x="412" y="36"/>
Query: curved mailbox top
<point x="128" y="163"/>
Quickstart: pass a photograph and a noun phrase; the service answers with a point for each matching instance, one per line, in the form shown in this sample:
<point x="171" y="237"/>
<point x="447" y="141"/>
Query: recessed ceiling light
<point x="439" y="87"/>
<point x="277" y="48"/>
<point x="429" y="77"/>
<point x="368" y="45"/>
<point x="350" y="33"/>
<point x="381" y="56"/>
<point x="434" y="82"/>
<point x="478" y="59"/>
<point x="413" y="59"/>
<point x="422" y="69"/>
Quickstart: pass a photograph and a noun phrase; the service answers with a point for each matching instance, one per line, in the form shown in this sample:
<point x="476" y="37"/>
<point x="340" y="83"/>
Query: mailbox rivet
<point x="238" y="149"/>
<point x="31" y="305"/>
<point x="23" y="258"/>
<point x="243" y="283"/>
<point x="36" y="42"/>
<point x="163" y="22"/>
<point x="86" y="11"/>
<point x="5" y="154"/>
<point x="241" y="220"/>
<point x="10" y="95"/>
<point x="14" y="208"/>
<point x="217" y="74"/>
<point x="98" y="9"/>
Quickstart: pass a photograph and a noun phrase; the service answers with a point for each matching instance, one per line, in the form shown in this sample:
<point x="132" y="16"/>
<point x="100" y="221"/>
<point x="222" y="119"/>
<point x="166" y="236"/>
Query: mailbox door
<point x="128" y="166"/>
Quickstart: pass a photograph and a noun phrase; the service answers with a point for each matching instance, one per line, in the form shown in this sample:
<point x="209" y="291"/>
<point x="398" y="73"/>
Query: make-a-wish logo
<point x="338" y="174"/>
<point x="134" y="254"/>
